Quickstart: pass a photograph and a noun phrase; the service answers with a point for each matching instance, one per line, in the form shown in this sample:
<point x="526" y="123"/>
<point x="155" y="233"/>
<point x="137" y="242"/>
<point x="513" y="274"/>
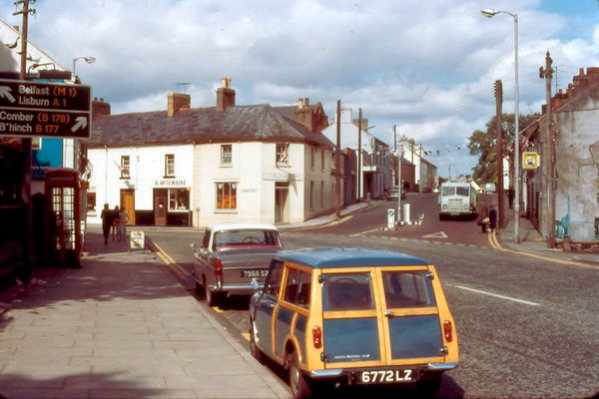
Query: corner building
<point x="228" y="163"/>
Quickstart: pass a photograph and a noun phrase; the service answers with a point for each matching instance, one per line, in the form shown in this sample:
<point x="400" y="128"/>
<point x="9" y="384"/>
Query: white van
<point x="457" y="199"/>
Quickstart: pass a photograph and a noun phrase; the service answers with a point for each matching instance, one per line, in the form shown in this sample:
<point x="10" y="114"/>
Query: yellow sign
<point x="530" y="160"/>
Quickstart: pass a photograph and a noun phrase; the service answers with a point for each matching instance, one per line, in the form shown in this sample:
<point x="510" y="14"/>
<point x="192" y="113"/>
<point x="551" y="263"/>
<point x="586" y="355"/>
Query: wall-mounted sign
<point x="34" y="109"/>
<point x="530" y="160"/>
<point x="170" y="183"/>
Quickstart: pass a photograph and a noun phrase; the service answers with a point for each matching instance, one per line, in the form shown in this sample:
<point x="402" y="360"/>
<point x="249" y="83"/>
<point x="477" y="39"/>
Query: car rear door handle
<point x="389" y="314"/>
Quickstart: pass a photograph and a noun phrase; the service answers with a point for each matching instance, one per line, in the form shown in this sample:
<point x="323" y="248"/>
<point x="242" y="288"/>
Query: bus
<point x="457" y="199"/>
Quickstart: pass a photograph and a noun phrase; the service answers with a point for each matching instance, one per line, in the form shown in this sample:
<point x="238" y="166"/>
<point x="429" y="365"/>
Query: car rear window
<point x="348" y="291"/>
<point x="408" y="289"/>
<point x="230" y="238"/>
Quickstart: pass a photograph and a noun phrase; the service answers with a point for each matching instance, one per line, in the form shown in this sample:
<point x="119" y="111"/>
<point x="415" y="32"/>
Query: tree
<point x="484" y="144"/>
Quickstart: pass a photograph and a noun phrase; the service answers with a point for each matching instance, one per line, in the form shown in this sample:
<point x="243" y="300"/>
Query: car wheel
<point x="300" y="385"/>
<point x="212" y="298"/>
<point x="200" y="290"/>
<point x="254" y="350"/>
<point x="428" y="388"/>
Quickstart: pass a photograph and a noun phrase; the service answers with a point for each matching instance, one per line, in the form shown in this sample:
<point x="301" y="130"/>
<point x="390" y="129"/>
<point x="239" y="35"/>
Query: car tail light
<point x="218" y="267"/>
<point x="317" y="337"/>
<point x="448" y="330"/>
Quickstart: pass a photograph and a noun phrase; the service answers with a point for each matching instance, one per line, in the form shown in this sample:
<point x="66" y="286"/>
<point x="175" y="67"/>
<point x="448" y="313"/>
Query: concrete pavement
<point x="120" y="326"/>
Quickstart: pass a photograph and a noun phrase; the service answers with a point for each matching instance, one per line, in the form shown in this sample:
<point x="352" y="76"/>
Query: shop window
<point x="91" y="203"/>
<point x="125" y="162"/>
<point x="226" y="154"/>
<point x="282" y="154"/>
<point x="169" y="165"/>
<point x="226" y="196"/>
<point x="178" y="199"/>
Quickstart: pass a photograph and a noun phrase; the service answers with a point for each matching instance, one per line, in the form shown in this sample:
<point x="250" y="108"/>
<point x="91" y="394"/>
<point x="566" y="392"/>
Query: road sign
<point x="34" y="109"/>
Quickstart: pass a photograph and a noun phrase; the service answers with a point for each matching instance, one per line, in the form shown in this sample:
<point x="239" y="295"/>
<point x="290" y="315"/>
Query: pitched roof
<point x="202" y="125"/>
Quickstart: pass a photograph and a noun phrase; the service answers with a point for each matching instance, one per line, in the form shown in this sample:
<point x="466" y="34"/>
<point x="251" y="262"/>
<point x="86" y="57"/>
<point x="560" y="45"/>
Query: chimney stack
<point x="225" y="96"/>
<point x="100" y="108"/>
<point x="177" y="102"/>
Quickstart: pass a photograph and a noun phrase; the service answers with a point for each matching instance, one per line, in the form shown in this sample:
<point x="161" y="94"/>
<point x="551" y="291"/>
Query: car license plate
<point x="387" y="376"/>
<point x="254" y="273"/>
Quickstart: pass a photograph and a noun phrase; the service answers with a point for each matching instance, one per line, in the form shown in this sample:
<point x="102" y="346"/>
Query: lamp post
<point x="88" y="59"/>
<point x="490" y="13"/>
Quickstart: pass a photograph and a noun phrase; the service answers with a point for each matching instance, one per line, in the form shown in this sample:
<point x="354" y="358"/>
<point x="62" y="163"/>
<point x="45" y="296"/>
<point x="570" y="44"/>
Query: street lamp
<point x="490" y="13"/>
<point x="88" y="59"/>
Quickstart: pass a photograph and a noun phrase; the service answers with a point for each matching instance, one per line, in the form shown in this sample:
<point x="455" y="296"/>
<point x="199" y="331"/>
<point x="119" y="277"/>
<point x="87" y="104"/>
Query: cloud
<point x="426" y="66"/>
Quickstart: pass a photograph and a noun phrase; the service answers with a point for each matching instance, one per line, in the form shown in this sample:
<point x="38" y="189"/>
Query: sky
<point x="426" y="67"/>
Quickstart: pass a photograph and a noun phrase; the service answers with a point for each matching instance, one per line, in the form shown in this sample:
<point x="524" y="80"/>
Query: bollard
<point x="406" y="213"/>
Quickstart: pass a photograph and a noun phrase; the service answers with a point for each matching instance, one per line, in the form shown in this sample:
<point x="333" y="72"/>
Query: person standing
<point x="106" y="222"/>
<point x="122" y="227"/>
<point x="492" y="218"/>
<point x="115" y="222"/>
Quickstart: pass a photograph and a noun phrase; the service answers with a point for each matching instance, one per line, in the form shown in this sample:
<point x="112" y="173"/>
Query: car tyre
<point x="200" y="290"/>
<point x="212" y="298"/>
<point x="298" y="382"/>
<point x="254" y="350"/>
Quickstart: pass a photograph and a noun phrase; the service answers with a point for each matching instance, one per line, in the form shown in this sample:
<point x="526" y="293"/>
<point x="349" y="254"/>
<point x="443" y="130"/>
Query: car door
<point x="375" y="317"/>
<point x="412" y="328"/>
<point x="351" y="330"/>
<point x="266" y="308"/>
<point x="202" y="256"/>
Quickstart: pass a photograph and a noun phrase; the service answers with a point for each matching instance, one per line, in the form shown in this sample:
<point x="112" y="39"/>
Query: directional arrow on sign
<point x="80" y="122"/>
<point x="6" y="92"/>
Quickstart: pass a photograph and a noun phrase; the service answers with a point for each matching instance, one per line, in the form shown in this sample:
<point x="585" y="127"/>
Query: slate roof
<point x="202" y="125"/>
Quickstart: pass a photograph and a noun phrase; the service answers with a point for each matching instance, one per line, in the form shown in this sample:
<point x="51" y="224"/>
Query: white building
<point x="196" y="166"/>
<point x="375" y="170"/>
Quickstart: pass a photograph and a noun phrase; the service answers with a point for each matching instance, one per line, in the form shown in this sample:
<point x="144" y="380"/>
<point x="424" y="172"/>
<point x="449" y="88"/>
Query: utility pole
<point x="550" y="139"/>
<point x="499" y="132"/>
<point x="395" y="149"/>
<point x="360" y="155"/>
<point x="25" y="272"/>
<point x="338" y="163"/>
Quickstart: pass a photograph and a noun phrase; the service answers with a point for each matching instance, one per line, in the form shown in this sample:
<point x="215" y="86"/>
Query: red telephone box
<point x="63" y="216"/>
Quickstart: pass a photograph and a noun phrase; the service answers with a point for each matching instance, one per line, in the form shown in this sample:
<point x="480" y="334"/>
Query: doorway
<point x="160" y="206"/>
<point x="281" y="202"/>
<point x="128" y="203"/>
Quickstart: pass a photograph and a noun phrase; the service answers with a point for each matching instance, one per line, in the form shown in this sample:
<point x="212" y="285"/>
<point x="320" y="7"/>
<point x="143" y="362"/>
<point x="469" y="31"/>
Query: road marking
<point x="496" y="245"/>
<point x="440" y="234"/>
<point x="246" y="335"/>
<point x="509" y="298"/>
<point x="178" y="269"/>
<point x="364" y="232"/>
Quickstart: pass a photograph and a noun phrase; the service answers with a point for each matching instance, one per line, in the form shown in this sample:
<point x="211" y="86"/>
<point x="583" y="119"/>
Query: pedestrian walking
<point x="492" y="218"/>
<point x="122" y="226"/>
<point x="510" y="196"/>
<point x="106" y="222"/>
<point x="115" y="222"/>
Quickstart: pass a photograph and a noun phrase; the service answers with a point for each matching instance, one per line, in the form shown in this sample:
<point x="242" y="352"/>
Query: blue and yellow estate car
<point x="350" y="316"/>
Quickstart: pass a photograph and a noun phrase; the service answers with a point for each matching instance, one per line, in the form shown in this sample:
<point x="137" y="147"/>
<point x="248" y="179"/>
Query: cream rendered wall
<point x="255" y="171"/>
<point x="146" y="173"/>
<point x="324" y="193"/>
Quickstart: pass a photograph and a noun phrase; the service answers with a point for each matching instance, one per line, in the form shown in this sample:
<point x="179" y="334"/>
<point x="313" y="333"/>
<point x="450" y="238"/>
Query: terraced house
<point x="196" y="166"/>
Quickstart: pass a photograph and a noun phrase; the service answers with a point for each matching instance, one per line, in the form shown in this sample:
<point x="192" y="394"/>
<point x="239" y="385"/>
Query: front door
<point x="128" y="203"/>
<point x="160" y="206"/>
<point x="281" y="205"/>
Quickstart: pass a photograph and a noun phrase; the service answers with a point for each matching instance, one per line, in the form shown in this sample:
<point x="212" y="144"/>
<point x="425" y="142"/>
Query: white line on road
<point x="498" y="296"/>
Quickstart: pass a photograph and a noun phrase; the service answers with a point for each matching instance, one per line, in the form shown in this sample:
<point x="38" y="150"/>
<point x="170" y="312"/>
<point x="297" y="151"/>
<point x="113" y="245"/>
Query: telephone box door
<point x="63" y="216"/>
